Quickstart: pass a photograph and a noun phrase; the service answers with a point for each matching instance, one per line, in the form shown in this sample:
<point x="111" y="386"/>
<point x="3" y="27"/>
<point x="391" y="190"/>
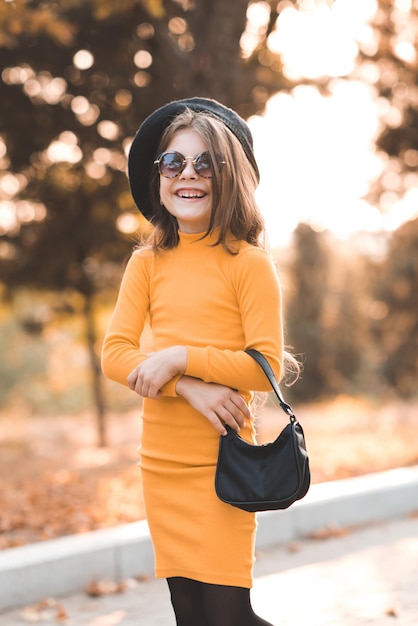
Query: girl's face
<point x="188" y="196"/>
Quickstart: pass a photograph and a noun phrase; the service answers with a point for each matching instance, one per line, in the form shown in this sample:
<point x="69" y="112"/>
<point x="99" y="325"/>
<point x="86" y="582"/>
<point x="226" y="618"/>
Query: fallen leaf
<point x="391" y="613"/>
<point x="39" y="611"/>
<point x="98" y="588"/>
<point x="292" y="547"/>
<point x="328" y="532"/>
<point x="61" y="614"/>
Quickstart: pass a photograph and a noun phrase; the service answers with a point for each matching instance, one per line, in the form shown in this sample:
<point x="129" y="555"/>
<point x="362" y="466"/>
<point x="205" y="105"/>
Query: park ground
<point x="56" y="481"/>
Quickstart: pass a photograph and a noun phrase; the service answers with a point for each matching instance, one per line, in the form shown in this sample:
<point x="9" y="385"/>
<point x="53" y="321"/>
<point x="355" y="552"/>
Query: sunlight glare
<point x="177" y="26"/>
<point x="89" y="117"/>
<point x="42" y="86"/>
<point x="28" y="212"/>
<point x="95" y="170"/>
<point x="258" y="15"/>
<point x="8" y="219"/>
<point x="83" y="59"/>
<point x="3" y="148"/>
<point x="123" y="98"/>
<point x="64" y="149"/>
<point x="79" y="105"/>
<point x="321" y="40"/>
<point x="9" y="185"/>
<point x="315" y="161"/>
<point x="54" y="91"/>
<point x="404" y="210"/>
<point x="108" y="130"/>
<point x="128" y="223"/>
<point x="86" y="113"/>
<point x="32" y="87"/>
<point x="316" y="154"/>
<point x="143" y="59"/>
<point x="142" y="79"/>
<point x="17" y="75"/>
<point x="405" y="51"/>
<point x="102" y="156"/>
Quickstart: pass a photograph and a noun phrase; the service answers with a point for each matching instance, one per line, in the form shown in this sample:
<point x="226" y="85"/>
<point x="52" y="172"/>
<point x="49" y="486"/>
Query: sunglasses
<point x="171" y="164"/>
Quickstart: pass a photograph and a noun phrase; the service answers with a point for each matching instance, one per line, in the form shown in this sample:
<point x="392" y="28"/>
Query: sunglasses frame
<point x="194" y="161"/>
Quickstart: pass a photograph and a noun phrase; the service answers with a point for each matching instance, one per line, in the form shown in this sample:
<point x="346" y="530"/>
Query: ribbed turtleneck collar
<point x="186" y="239"/>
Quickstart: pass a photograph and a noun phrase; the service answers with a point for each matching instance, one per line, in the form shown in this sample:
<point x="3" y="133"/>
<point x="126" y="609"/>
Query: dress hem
<point x="212" y="578"/>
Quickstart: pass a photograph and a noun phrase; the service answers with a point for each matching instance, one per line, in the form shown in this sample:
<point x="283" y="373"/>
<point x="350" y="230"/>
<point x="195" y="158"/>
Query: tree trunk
<point x="217" y="26"/>
<point x="97" y="379"/>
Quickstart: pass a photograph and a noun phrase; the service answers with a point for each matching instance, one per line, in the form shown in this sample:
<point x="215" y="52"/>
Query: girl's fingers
<point x="235" y="422"/>
<point x="217" y="423"/>
<point x="242" y="406"/>
<point x="132" y="379"/>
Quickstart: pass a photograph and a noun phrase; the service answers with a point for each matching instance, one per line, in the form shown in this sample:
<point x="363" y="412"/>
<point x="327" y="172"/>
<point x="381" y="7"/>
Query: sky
<point x="316" y="154"/>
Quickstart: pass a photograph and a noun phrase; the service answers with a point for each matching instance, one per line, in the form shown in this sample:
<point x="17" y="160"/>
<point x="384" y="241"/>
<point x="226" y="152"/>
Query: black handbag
<point x="263" y="477"/>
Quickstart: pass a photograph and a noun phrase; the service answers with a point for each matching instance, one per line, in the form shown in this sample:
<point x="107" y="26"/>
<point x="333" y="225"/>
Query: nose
<point x="189" y="170"/>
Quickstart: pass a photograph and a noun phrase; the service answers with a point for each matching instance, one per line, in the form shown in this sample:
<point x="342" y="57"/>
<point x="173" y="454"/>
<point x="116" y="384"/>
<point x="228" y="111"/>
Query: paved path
<point x="364" y="578"/>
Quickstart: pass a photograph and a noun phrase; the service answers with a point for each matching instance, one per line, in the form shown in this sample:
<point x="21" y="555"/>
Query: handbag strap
<point x="265" y="365"/>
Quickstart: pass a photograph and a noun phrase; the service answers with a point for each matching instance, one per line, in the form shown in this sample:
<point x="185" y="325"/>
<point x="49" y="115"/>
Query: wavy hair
<point x="234" y="209"/>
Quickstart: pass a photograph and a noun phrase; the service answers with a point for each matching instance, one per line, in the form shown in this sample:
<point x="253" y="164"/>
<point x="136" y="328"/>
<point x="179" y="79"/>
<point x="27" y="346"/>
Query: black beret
<point x="145" y="144"/>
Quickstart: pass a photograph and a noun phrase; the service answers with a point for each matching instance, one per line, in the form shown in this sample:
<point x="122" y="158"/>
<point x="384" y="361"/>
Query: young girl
<point x="209" y="290"/>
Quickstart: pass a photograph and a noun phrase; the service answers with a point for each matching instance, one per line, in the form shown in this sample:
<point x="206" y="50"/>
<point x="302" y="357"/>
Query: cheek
<point x="163" y="190"/>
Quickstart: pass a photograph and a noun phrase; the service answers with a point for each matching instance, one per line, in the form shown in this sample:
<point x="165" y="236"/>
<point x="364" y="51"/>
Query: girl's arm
<point x="121" y="354"/>
<point x="219" y="404"/>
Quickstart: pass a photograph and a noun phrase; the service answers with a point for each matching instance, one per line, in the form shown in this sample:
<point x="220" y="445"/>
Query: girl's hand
<point x="148" y="378"/>
<point x="219" y="404"/>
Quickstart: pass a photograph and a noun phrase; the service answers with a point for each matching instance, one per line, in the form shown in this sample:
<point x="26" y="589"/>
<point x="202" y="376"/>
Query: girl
<point x="210" y="291"/>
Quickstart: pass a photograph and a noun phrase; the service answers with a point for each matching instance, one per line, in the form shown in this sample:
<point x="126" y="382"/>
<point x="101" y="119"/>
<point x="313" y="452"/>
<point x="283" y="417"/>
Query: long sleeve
<point x="121" y="347"/>
<point x="258" y="293"/>
<point x="120" y="352"/>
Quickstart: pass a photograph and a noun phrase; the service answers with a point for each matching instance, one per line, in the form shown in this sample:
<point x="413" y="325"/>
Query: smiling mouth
<point x="190" y="194"/>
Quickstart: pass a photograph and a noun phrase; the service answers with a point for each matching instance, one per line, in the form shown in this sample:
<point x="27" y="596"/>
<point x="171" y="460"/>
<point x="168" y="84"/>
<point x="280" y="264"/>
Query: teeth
<point x="186" y="194"/>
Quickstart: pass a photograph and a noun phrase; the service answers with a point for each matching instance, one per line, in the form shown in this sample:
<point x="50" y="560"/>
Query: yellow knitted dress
<point x="217" y="305"/>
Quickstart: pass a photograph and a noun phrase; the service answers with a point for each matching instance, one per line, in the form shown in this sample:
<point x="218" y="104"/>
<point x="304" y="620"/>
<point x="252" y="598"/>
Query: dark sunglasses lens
<point x="203" y="165"/>
<point x="171" y="164"/>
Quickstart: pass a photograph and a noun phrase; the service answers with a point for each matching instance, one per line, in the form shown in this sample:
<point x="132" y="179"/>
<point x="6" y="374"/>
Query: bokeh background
<point x="330" y="90"/>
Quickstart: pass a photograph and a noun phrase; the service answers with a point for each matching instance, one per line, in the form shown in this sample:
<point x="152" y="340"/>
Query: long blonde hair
<point x="234" y="182"/>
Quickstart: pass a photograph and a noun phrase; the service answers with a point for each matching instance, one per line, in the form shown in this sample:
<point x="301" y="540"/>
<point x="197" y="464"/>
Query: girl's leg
<point x="187" y="601"/>
<point x="229" y="606"/>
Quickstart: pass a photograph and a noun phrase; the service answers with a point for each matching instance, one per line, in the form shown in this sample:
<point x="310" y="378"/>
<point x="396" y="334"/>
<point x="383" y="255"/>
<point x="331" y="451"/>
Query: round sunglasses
<point x="171" y="164"/>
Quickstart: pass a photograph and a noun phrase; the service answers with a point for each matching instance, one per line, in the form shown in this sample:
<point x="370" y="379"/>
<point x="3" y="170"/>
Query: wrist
<point x="181" y="385"/>
<point x="180" y="359"/>
<point x="184" y="384"/>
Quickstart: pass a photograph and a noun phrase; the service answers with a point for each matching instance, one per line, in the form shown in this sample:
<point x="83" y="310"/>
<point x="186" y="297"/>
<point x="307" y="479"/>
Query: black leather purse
<point x="264" y="477"/>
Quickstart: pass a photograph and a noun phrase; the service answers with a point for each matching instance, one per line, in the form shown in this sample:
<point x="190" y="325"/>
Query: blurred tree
<point x="396" y="329"/>
<point x="77" y="79"/>
<point x="308" y="275"/>
<point x="324" y="319"/>
<point x="389" y="63"/>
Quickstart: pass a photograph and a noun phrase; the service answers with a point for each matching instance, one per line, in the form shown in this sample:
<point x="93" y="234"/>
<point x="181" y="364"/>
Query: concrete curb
<point x="68" y="564"/>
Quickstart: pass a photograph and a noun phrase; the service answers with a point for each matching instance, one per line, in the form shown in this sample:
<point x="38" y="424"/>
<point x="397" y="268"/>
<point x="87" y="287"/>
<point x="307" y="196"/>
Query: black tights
<point x="202" y="604"/>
